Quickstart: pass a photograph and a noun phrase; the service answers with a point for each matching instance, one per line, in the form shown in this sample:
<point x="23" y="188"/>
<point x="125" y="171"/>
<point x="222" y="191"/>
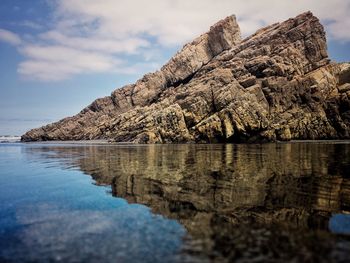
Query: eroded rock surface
<point x="277" y="84"/>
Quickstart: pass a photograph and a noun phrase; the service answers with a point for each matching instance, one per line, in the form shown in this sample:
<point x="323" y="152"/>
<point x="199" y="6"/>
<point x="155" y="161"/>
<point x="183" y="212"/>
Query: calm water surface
<point x="175" y="203"/>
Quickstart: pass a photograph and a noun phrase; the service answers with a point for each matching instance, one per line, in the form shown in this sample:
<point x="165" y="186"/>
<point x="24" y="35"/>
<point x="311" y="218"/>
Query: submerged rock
<point x="277" y="84"/>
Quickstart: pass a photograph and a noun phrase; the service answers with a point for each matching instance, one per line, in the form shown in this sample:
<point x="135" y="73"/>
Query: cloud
<point x="52" y="63"/>
<point x="9" y="37"/>
<point x="175" y="21"/>
<point x="30" y="24"/>
<point x="93" y="43"/>
<point x="339" y="31"/>
<point x="122" y="36"/>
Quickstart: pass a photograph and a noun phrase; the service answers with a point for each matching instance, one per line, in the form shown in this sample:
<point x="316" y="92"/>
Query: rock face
<point x="277" y="84"/>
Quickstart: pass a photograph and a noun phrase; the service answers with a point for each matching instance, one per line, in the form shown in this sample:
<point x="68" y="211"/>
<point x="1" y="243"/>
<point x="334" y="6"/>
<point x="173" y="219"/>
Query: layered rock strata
<point x="277" y="84"/>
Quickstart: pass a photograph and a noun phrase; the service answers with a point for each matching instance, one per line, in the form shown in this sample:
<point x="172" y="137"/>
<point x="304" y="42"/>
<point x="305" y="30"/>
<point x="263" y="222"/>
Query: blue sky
<point x="57" y="56"/>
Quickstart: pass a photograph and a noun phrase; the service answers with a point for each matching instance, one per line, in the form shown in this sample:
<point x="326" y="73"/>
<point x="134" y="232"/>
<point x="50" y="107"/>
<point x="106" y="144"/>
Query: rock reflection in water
<point x="245" y="202"/>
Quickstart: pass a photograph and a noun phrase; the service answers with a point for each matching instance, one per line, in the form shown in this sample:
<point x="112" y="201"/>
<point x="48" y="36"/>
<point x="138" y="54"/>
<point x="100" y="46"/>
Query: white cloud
<point x="176" y="21"/>
<point x="30" y="24"/>
<point x="9" y="37"/>
<point x="339" y="31"/>
<point x="90" y="36"/>
<point x="94" y="43"/>
<point x="57" y="62"/>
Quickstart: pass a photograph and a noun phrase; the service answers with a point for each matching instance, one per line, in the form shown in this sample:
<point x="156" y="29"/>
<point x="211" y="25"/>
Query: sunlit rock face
<point x="236" y="201"/>
<point x="277" y="84"/>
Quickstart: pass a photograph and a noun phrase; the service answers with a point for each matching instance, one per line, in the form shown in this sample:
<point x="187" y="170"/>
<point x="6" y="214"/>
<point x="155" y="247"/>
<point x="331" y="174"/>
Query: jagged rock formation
<point x="277" y="84"/>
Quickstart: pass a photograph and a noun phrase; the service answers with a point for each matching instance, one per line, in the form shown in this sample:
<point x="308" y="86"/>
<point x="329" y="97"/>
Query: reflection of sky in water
<point x="340" y="224"/>
<point x="49" y="213"/>
<point x="264" y="203"/>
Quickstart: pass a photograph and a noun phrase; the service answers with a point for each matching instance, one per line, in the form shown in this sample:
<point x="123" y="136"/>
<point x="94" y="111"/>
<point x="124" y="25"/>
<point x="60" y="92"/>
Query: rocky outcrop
<point x="277" y="84"/>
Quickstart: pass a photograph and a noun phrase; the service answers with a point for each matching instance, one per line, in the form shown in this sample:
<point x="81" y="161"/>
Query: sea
<point x="92" y="202"/>
<point x="9" y="138"/>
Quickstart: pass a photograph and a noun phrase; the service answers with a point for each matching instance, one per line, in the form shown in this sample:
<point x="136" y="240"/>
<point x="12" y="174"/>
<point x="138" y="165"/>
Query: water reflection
<point x="272" y="202"/>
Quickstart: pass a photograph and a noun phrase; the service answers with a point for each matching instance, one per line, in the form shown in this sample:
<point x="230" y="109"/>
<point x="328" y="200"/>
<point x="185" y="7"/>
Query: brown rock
<point x="276" y="84"/>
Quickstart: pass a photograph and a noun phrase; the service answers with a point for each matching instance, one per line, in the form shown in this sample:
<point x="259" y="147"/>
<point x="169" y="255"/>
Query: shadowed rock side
<point x="277" y="84"/>
<point x="269" y="203"/>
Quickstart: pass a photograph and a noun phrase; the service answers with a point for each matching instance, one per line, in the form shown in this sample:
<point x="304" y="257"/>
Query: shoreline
<point x="107" y="142"/>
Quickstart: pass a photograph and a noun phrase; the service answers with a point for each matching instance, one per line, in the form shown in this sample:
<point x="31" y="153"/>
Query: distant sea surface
<point x="280" y="202"/>
<point x="9" y="138"/>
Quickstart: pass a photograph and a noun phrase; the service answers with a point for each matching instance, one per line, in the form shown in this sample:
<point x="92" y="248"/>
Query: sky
<point x="57" y="56"/>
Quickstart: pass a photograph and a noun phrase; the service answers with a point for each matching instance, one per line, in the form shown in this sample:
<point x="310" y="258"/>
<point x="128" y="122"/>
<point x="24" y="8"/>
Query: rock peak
<point x="224" y="34"/>
<point x="229" y="22"/>
<point x="306" y="14"/>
